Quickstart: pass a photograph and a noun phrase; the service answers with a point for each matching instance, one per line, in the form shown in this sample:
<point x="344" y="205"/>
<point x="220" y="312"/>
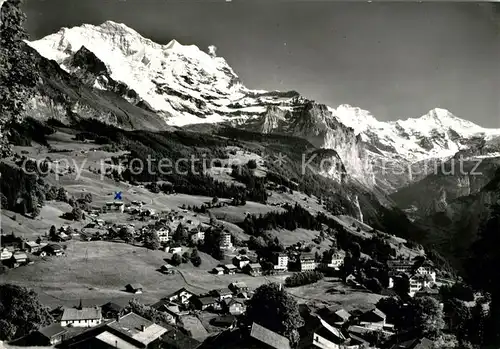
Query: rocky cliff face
<point x="181" y="85"/>
<point x="66" y="98"/>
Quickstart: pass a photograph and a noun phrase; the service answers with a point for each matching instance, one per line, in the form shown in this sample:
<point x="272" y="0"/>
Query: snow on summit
<point x="186" y="85"/>
<point x="150" y="69"/>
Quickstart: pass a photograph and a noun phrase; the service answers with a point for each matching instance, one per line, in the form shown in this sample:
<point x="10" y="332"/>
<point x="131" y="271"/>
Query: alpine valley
<point x="85" y="67"/>
<point x="112" y="75"/>
<point x="151" y="200"/>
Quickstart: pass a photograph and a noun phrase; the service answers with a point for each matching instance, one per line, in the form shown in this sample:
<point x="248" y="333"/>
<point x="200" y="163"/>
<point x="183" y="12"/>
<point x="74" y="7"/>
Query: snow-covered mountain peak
<point x="356" y="118"/>
<point x="173" y="79"/>
<point x="440" y="120"/>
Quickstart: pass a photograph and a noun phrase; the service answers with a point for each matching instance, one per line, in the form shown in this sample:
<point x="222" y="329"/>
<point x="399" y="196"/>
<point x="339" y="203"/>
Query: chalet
<point x="167" y="269"/>
<point x="335" y="262"/>
<point x="50" y="335"/>
<point x="130" y="331"/>
<point x="181" y="296"/>
<point x="240" y="261"/>
<point x="5" y="254"/>
<point x="174" y="250"/>
<point x="238" y="287"/>
<point x="32" y="247"/>
<point x="53" y="250"/>
<point x="229" y="269"/>
<point x="418" y="282"/>
<point x="218" y="271"/>
<point x="336" y="316"/>
<point x="425" y="267"/>
<point x="221" y="294"/>
<point x="138" y="328"/>
<point x="163" y="234"/>
<point x="111" y="310"/>
<point x="253" y="269"/>
<point x="18" y="259"/>
<point x="224" y="321"/>
<point x="225" y="242"/>
<point x="134" y="288"/>
<point x="234" y="307"/>
<point x="81" y="317"/>
<point x="428" y="292"/>
<point x="116" y="206"/>
<point x="176" y="339"/>
<point x="197" y="235"/>
<point x="326" y="336"/>
<point x="374" y="319"/>
<point x="307" y="262"/>
<point x="280" y="261"/>
<point x="267" y="338"/>
<point x="401" y="266"/>
<point x="172" y="310"/>
<point x="203" y="302"/>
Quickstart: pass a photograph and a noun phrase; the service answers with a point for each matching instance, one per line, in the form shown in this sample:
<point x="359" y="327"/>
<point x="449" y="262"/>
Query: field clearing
<point x="330" y="291"/>
<point x="304" y="236"/>
<point x="31" y="229"/>
<point x="237" y="214"/>
<point x="308" y="202"/>
<point x="98" y="271"/>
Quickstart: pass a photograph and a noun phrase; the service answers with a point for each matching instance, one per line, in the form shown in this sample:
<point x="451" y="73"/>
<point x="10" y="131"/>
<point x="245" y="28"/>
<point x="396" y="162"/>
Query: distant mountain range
<point x="112" y="73"/>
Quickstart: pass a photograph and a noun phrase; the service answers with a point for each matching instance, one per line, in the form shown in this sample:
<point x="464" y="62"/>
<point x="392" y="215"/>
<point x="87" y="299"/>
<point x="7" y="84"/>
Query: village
<point x="193" y="319"/>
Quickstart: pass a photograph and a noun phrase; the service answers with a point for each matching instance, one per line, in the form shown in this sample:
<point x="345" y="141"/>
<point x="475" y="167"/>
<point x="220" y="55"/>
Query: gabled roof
<point x="32" y="244"/>
<point x="269" y="337"/>
<point x="343" y="314"/>
<point x="178" y="292"/>
<point x="329" y="332"/>
<point x="52" y="330"/>
<point x="306" y="256"/>
<point x="54" y="247"/>
<point x="229" y="266"/>
<point x="223" y="292"/>
<point x="112" y="340"/>
<point x="112" y="306"/>
<point x="135" y="286"/>
<point x="373" y="315"/>
<point x="239" y="284"/>
<point x="138" y="328"/>
<point x="207" y="300"/>
<point x="73" y="314"/>
<point x="20" y="255"/>
<point x="179" y="340"/>
<point x="254" y="265"/>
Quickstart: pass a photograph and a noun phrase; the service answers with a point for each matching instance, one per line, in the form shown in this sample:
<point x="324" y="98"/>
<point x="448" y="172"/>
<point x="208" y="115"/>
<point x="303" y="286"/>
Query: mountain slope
<point x="453" y="230"/>
<point x="65" y="98"/>
<point x="183" y="85"/>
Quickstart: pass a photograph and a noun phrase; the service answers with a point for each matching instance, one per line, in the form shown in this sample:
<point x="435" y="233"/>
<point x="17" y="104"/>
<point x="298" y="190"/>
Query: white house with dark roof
<point x="84" y="317"/>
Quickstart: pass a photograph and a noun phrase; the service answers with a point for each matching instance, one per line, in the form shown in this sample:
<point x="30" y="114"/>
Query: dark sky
<point x="396" y="59"/>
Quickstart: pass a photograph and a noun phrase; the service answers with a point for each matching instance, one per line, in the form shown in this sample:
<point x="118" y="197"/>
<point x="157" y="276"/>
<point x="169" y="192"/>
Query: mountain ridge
<point x="184" y="85"/>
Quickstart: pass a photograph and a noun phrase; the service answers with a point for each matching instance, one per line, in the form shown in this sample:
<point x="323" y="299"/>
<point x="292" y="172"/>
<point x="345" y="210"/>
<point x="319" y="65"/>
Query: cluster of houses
<point x="421" y="273"/>
<point x="281" y="262"/>
<point x="112" y="325"/>
<point x="227" y="301"/>
<point x="100" y="327"/>
<point x="15" y="252"/>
